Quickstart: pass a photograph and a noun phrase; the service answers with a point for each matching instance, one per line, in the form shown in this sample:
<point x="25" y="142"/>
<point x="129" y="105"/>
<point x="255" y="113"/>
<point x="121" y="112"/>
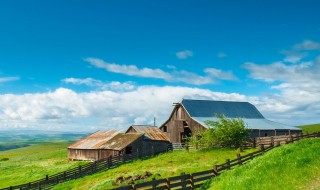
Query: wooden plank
<point x="202" y="179"/>
<point x="179" y="184"/>
<point x="202" y="173"/>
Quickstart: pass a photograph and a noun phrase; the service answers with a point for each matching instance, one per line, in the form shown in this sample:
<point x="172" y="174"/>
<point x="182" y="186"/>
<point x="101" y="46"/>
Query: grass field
<point x="310" y="128"/>
<point x="33" y="162"/>
<point x="293" y="167"/>
<point x="167" y="165"/>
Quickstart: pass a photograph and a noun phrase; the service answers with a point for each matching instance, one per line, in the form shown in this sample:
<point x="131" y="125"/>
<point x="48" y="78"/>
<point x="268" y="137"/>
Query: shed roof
<point x="207" y="108"/>
<point x="120" y="141"/>
<point x="95" y="140"/>
<point x="150" y="132"/>
<point x="262" y="124"/>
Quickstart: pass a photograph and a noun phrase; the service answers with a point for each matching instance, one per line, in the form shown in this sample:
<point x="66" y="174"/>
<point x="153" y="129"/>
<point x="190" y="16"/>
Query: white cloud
<point x="130" y="70"/>
<point x="8" y="79"/>
<point x="219" y="74"/>
<point x="173" y="76"/>
<point x="307" y="45"/>
<point x="184" y="54"/>
<point x="115" y="85"/>
<point x="221" y="55"/>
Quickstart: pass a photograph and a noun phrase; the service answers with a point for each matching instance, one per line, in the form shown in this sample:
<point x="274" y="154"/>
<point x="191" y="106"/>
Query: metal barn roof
<point x="120" y="141"/>
<point x="262" y="124"/>
<point x="95" y="140"/>
<point x="207" y="108"/>
<point x="150" y="132"/>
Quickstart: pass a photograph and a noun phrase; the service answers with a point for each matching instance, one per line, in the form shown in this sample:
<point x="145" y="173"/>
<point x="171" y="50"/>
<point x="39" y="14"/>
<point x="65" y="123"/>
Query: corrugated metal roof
<point x="262" y="124"/>
<point x="207" y="108"/>
<point x="95" y="140"/>
<point x="120" y="141"/>
<point x="150" y="132"/>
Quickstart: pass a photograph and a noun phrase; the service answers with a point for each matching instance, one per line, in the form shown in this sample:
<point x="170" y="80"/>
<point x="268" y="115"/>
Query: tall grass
<point x="31" y="163"/>
<point x="310" y="128"/>
<point x="294" y="166"/>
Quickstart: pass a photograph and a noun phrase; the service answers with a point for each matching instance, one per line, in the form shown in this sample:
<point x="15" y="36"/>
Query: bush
<point x="4" y="159"/>
<point x="223" y="132"/>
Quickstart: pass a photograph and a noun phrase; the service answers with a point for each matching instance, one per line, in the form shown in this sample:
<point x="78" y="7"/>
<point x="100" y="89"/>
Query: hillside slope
<point x="310" y="128"/>
<point x="293" y="166"/>
<point x="33" y="162"/>
<point x="167" y="165"/>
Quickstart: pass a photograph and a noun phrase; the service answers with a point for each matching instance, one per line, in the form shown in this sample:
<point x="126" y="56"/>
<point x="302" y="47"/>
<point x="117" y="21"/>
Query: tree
<point x="227" y="132"/>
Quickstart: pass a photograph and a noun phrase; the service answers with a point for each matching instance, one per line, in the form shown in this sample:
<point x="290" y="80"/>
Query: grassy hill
<point x="31" y="163"/>
<point x="164" y="165"/>
<point x="294" y="166"/>
<point x="310" y="128"/>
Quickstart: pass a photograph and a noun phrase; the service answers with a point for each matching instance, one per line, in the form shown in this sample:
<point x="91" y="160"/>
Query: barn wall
<point x="175" y="124"/>
<point x="90" y="154"/>
<point x="151" y="147"/>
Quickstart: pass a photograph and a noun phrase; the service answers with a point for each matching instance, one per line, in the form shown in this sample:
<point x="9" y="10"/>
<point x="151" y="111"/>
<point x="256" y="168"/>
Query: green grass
<point x="294" y="166"/>
<point x="310" y="128"/>
<point x="31" y="163"/>
<point x="167" y="165"/>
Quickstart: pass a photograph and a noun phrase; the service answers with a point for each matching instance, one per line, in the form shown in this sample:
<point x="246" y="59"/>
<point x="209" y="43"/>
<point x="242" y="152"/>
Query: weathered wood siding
<point x="151" y="147"/>
<point x="175" y="124"/>
<point x="90" y="154"/>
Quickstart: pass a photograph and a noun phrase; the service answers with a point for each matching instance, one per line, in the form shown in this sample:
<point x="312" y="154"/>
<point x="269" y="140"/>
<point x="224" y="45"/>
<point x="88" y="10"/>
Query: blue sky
<point x="70" y="65"/>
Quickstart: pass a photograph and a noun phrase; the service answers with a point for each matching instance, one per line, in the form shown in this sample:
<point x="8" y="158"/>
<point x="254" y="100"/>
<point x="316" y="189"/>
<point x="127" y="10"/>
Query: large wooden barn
<point x="189" y="116"/>
<point x="142" y="140"/>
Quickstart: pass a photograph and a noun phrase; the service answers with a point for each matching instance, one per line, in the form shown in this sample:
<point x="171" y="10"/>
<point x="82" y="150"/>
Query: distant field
<point x="310" y="128"/>
<point x="292" y="167"/>
<point x="33" y="162"/>
<point x="167" y="165"/>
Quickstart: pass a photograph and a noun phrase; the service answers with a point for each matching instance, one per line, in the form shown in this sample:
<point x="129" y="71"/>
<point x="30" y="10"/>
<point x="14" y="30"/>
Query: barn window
<point x="165" y="129"/>
<point x="265" y="134"/>
<point x="128" y="150"/>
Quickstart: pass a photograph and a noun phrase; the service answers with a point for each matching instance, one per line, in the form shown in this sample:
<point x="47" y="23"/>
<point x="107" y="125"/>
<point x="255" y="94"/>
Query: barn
<point x="154" y="140"/>
<point x="189" y="116"/>
<point x="104" y="143"/>
<point x="142" y="140"/>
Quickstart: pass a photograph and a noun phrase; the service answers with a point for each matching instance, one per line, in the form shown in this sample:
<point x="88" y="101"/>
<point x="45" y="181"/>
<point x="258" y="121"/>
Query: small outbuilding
<point x="154" y="140"/>
<point x="103" y="144"/>
<point x="189" y="116"/>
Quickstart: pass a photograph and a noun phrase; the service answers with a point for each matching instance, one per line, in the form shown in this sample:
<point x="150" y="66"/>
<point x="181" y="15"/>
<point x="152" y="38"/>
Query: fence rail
<point x="196" y="180"/>
<point x="83" y="170"/>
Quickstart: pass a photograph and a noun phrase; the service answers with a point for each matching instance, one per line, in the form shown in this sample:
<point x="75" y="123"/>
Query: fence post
<point x="278" y="143"/>
<point x="254" y="143"/>
<point x="191" y="181"/>
<point x="262" y="148"/>
<point x="168" y="183"/>
<point x="183" y="180"/>
<point x="110" y="161"/>
<point x="39" y="185"/>
<point x="153" y="184"/>
<point x="272" y="141"/>
<point x="239" y="159"/>
<point x="64" y="175"/>
<point x="291" y="138"/>
<point x="251" y="156"/>
<point x="79" y="170"/>
<point x="133" y="187"/>
<point x="215" y="170"/>
<point x="228" y="164"/>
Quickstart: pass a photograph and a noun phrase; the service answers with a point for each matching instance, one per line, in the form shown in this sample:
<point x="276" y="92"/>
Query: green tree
<point x="226" y="132"/>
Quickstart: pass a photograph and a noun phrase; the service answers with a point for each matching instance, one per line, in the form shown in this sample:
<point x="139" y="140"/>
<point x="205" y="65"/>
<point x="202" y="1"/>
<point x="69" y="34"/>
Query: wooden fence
<point x="87" y="169"/>
<point x="196" y="180"/>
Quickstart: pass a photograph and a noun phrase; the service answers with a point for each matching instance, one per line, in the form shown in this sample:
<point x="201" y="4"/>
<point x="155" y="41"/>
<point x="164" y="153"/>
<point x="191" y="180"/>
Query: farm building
<point x="103" y="144"/>
<point x="154" y="140"/>
<point x="189" y="116"/>
<point x="143" y="140"/>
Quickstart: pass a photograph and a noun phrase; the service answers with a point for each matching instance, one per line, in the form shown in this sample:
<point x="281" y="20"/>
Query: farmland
<point x="310" y="128"/>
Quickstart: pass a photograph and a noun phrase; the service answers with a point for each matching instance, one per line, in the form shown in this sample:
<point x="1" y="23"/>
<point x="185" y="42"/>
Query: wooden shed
<point x="154" y="140"/>
<point x="103" y="144"/>
<point x="189" y="116"/>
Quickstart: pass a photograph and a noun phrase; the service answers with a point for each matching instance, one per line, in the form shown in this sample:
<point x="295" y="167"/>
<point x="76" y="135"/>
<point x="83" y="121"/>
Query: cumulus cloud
<point x="300" y="51"/>
<point x="221" y="55"/>
<point x="114" y="85"/>
<point x="184" y="54"/>
<point x="8" y="79"/>
<point x="211" y="77"/>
